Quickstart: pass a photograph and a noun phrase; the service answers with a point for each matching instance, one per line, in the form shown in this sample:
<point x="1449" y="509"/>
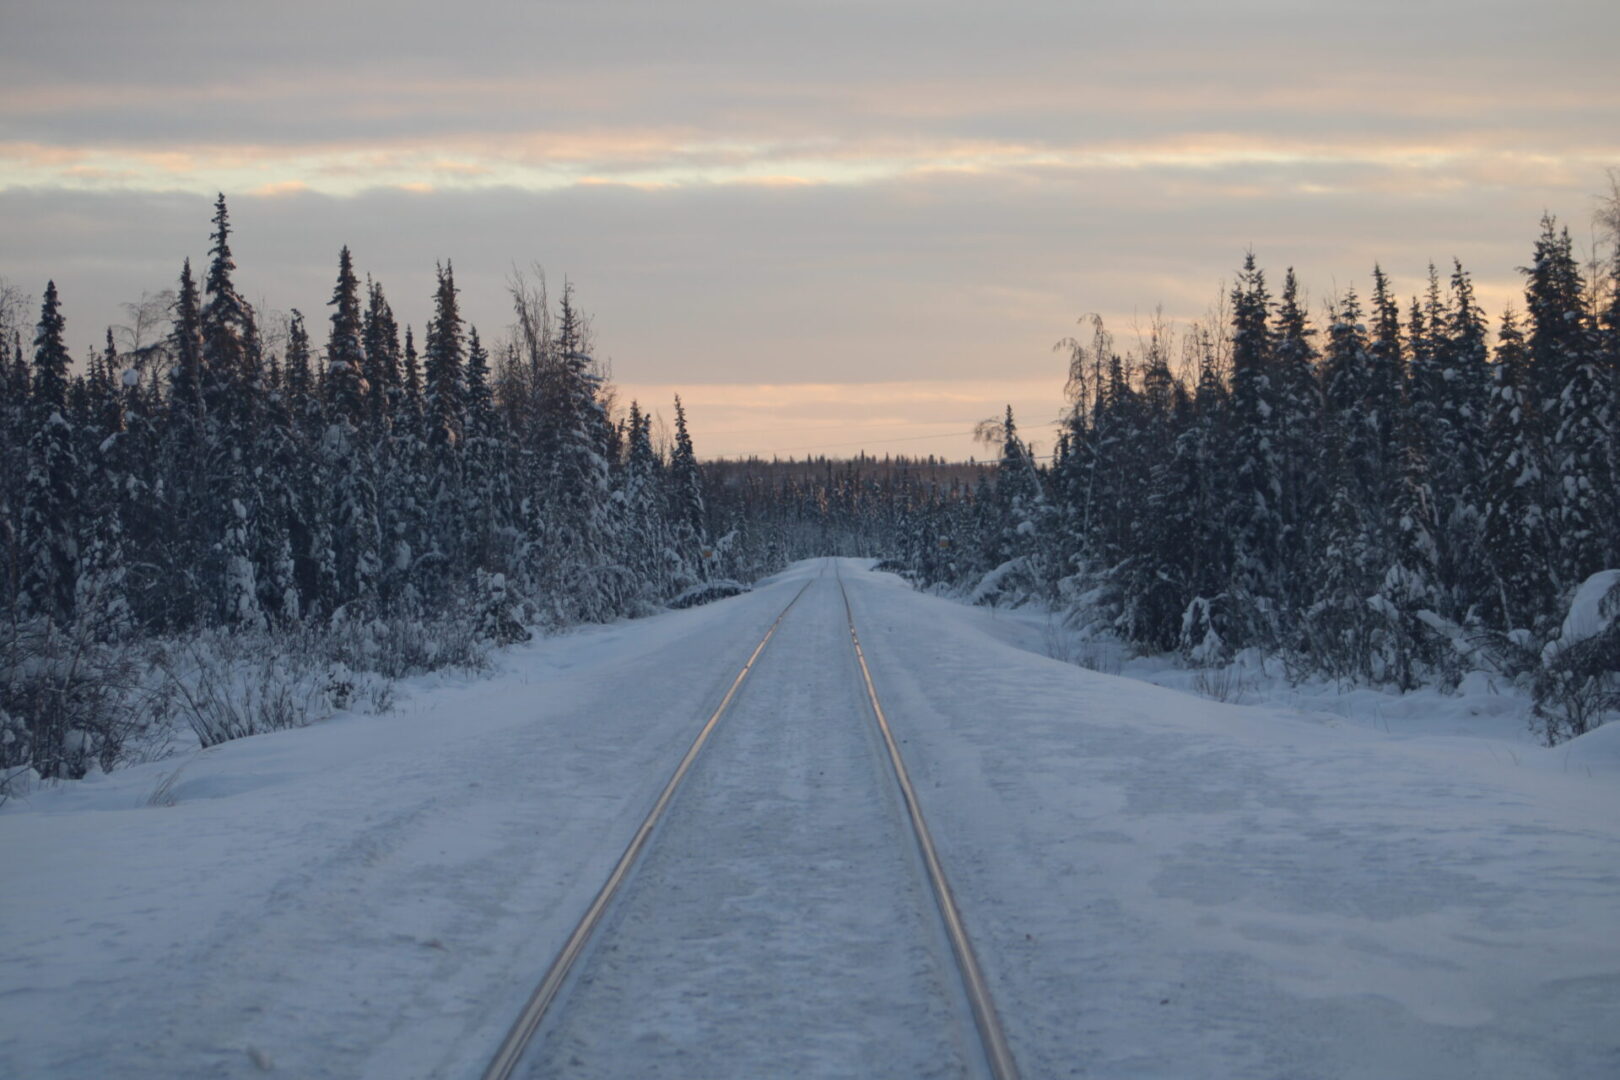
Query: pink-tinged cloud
<point x="919" y="192"/>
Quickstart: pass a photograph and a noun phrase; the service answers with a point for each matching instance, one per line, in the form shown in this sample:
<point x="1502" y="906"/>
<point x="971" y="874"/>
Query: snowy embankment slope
<point x="371" y="896"/>
<point x="1163" y="885"/>
<point x="1158" y="885"/>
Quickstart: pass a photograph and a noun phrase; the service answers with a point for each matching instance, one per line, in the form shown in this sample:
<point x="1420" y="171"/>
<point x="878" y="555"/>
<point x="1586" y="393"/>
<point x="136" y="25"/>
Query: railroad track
<point x="997" y="1057"/>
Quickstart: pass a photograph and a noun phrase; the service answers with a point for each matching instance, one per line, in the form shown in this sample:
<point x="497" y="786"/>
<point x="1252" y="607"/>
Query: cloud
<point x="923" y="192"/>
<point x="279" y="187"/>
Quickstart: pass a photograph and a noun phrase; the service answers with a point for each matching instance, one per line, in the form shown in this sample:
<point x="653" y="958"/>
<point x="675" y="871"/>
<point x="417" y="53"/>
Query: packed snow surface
<point x="1158" y="885"/>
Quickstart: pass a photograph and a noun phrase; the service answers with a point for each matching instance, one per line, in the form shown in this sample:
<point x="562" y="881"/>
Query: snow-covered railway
<point x="794" y="916"/>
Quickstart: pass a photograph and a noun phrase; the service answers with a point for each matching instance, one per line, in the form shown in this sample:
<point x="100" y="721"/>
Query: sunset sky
<point x="828" y="225"/>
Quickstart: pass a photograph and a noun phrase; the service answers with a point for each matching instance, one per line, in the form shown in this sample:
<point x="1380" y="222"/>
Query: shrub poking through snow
<point x="1577" y="685"/>
<point x="498" y="622"/>
<point x="707" y="593"/>
<point x="68" y="703"/>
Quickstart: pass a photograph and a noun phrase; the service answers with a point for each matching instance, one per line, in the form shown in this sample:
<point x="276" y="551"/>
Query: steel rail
<point x="528" y="1021"/>
<point x="998" y="1055"/>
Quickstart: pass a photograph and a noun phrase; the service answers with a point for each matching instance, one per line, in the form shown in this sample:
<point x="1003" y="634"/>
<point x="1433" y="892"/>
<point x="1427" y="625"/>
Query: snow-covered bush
<point x="68" y="702"/>
<point x="708" y="592"/>
<point x="1201" y="641"/>
<point x="1010" y="584"/>
<point x="228" y="686"/>
<point x="1578" y="683"/>
<point x="498" y="622"/>
<point x="407" y="643"/>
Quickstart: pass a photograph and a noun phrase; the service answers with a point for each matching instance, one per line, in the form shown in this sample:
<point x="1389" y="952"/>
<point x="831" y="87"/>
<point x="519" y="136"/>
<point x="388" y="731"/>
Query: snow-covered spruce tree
<point x="1384" y="400"/>
<point x="58" y="709"/>
<point x="1340" y="624"/>
<point x="413" y="395"/>
<point x="1456" y="448"/>
<point x="1410" y="588"/>
<point x="1162" y="573"/>
<point x="643" y="532"/>
<point x="139" y="507"/>
<point x="1022" y="511"/>
<point x="54" y="496"/>
<point x="1517" y="543"/>
<point x="1075" y="540"/>
<point x="571" y="437"/>
<point x="1123" y="432"/>
<point x="1256" y="523"/>
<point x="278" y="467"/>
<point x="101" y="593"/>
<point x="229" y="358"/>
<point x="380" y="346"/>
<point x="14" y="382"/>
<point x="404" y="496"/>
<point x="1298" y="434"/>
<point x="1609" y="352"/>
<point x="1572" y="391"/>
<point x="1559" y="346"/>
<point x="391" y="431"/>
<point x="346" y="450"/>
<point x="443" y="413"/>
<point x="226" y="321"/>
<point x="175" y="596"/>
<point x="1070" y="469"/>
<point x="1202" y="457"/>
<point x="308" y="519"/>
<point x="487" y="480"/>
<point x="1426" y="389"/>
<point x="346" y="387"/>
<point x="686" y="510"/>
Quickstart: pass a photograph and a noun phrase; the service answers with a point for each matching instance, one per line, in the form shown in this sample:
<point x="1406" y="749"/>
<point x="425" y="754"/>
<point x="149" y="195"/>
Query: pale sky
<point x="829" y="225"/>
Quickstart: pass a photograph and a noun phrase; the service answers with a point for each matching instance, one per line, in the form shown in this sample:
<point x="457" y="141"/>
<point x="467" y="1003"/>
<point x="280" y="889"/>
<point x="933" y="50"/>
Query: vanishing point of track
<point x="998" y="1059"/>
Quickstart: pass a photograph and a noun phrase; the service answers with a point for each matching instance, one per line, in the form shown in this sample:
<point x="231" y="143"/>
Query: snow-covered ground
<point x="1483" y="704"/>
<point x="1158" y="884"/>
<point x="1168" y="886"/>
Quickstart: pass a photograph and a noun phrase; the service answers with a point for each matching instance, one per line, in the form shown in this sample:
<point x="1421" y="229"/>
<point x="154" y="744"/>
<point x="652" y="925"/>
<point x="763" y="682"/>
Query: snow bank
<point x="1595" y="608"/>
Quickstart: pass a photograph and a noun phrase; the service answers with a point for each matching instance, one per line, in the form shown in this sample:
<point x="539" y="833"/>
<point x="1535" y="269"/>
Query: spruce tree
<point x="487" y="478"/>
<point x="384" y="380"/>
<point x="53" y="497"/>
<point x="1350" y="537"/>
<point x="443" y="416"/>
<point x="1609" y="363"/>
<point x="230" y="349"/>
<point x="444" y="355"/>
<point x="1410" y="586"/>
<point x="572" y="447"/>
<point x="1573" y="393"/>
<point x="413" y="393"/>
<point x="279" y="469"/>
<point x="1385" y="392"/>
<point x="1458" y="446"/>
<point x="345" y="358"/>
<point x="1258" y="482"/>
<point x="1298" y="427"/>
<point x="225" y="323"/>
<point x="1517" y="541"/>
<point x="686" y="505"/>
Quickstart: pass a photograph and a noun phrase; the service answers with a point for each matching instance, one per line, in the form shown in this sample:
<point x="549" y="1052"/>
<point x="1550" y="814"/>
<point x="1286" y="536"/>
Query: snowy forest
<point x="1394" y="499"/>
<point x="188" y="516"/>
<point x="218" y="521"/>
